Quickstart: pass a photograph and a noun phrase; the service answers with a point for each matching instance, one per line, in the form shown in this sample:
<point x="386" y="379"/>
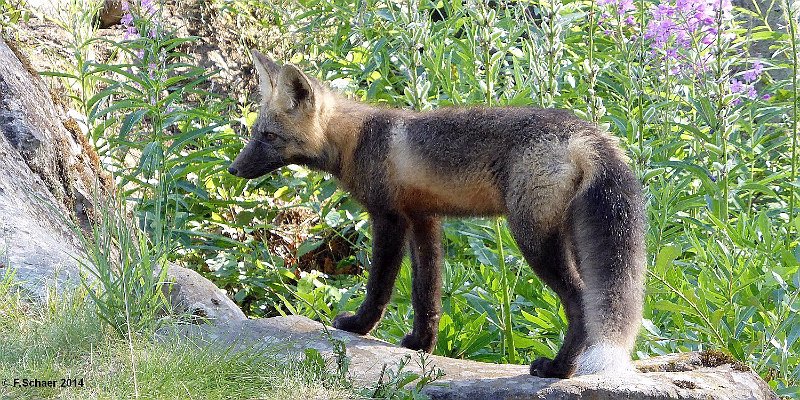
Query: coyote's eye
<point x="270" y="136"/>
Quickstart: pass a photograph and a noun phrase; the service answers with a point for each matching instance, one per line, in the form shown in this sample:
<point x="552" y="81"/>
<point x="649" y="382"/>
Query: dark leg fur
<point x="426" y="296"/>
<point x="547" y="256"/>
<point x="388" y="242"/>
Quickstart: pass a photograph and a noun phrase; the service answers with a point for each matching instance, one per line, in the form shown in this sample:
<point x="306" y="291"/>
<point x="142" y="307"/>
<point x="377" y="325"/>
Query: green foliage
<point x="720" y="169"/>
<point x="123" y="273"/>
<point x="11" y="13"/>
<point x="394" y="383"/>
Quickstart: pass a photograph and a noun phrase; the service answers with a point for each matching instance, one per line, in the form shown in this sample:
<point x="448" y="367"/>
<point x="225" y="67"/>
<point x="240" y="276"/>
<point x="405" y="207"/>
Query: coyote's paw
<point x="350" y="322"/>
<point x="547" y="368"/>
<point x="415" y="342"/>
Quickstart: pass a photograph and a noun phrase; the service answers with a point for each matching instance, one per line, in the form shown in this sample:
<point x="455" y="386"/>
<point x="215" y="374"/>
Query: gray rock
<point x="681" y="376"/>
<point x="49" y="177"/>
<point x="188" y="292"/>
<point x="35" y="235"/>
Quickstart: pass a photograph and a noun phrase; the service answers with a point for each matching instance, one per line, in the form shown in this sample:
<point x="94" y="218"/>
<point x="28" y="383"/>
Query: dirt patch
<point x="23" y="58"/>
<point x="293" y="230"/>
<point x="684" y="384"/>
<point x="715" y="358"/>
<point x="691" y="361"/>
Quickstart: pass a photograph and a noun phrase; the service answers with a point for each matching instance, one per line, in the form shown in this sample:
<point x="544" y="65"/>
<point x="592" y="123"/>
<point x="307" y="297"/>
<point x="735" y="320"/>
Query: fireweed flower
<point x="617" y="14"/>
<point x="676" y="27"/>
<point x="139" y="19"/>
<point x="754" y="73"/>
<point x="745" y="88"/>
<point x="146" y="10"/>
<point x="131" y="33"/>
<point x="736" y="86"/>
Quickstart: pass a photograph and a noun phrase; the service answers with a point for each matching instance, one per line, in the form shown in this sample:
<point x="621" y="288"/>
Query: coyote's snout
<point x="573" y="205"/>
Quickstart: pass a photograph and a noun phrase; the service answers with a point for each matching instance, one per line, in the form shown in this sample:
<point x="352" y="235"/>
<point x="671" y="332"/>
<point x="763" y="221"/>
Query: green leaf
<point x="667" y="256"/>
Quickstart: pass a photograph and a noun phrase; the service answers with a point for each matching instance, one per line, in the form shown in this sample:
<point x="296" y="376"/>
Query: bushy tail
<point x="607" y="228"/>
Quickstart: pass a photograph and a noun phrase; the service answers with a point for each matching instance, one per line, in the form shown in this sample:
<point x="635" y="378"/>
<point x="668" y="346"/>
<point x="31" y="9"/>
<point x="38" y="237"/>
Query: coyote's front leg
<point x="388" y="242"/>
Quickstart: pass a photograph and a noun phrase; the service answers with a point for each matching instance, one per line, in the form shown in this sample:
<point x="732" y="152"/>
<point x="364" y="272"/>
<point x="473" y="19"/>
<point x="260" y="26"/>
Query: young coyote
<point x="573" y="205"/>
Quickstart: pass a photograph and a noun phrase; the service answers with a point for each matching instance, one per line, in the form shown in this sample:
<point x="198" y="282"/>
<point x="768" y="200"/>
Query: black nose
<point x="233" y="171"/>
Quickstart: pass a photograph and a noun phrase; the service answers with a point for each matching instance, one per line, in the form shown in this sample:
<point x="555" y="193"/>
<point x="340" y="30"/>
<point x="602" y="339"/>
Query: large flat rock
<point x="681" y="376"/>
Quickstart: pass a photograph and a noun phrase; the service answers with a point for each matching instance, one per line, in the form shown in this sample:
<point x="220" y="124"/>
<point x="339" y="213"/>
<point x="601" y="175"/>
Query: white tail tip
<point x="604" y="358"/>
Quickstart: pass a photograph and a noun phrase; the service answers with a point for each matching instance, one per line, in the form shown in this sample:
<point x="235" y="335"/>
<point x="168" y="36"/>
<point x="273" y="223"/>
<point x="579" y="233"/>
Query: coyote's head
<point x="288" y="129"/>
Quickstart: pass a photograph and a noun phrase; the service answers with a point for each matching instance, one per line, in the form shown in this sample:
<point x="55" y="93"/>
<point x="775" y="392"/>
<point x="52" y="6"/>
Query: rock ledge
<point x="679" y="376"/>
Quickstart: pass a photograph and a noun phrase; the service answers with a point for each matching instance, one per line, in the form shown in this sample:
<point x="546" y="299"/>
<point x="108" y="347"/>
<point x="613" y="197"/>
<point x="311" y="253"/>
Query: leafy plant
<point x="123" y="272"/>
<point x="706" y="124"/>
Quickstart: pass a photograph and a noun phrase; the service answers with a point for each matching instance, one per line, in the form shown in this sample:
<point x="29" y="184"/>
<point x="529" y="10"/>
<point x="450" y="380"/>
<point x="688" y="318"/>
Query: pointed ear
<point x="267" y="72"/>
<point x="296" y="86"/>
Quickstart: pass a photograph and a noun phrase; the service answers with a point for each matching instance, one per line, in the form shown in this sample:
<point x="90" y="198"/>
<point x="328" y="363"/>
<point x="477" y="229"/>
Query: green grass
<point x="63" y="338"/>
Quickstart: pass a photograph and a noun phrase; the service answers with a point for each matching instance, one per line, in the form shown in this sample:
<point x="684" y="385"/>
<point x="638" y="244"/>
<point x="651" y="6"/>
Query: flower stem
<point x="792" y="24"/>
<point x="721" y="125"/>
<point x="508" y="333"/>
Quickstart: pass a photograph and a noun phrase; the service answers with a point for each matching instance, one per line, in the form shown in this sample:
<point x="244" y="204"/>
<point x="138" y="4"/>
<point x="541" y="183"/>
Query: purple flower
<point x="672" y="53"/>
<point x="736" y="86"/>
<point x="751" y="93"/>
<point x="766" y="96"/>
<point x="624" y="6"/>
<point x="139" y="54"/>
<point x="152" y="33"/>
<point x="663" y="11"/>
<point x="149" y="7"/>
<point x="660" y="32"/>
<point x="125" y="6"/>
<point x="683" y="39"/>
<point x="685" y="31"/>
<point x="127" y="19"/>
<point x="752" y="74"/>
<point x="684" y="6"/>
<point x="131" y="33"/>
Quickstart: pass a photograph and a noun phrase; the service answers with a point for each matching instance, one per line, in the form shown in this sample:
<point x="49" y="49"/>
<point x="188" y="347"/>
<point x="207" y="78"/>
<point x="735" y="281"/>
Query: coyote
<point x="572" y="203"/>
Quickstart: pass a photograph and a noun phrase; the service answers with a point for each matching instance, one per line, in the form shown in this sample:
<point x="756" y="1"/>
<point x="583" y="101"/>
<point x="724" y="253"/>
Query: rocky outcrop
<point x="682" y="376"/>
<point x="191" y="294"/>
<point x="48" y="178"/>
<point x="52" y="145"/>
<point x="45" y="176"/>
